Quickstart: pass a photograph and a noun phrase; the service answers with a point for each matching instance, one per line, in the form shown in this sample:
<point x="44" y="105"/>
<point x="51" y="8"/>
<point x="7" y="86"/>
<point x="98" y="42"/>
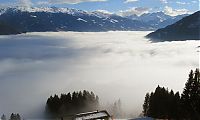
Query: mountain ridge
<point x="187" y="28"/>
<point x="54" y="19"/>
<point x="157" y="19"/>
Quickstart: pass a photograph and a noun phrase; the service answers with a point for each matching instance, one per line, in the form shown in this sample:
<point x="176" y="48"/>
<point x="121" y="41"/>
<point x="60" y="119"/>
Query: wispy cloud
<point x="173" y="12"/>
<point x="73" y="1"/>
<point x="25" y="3"/>
<point x="28" y="3"/>
<point x="42" y="3"/>
<point x="194" y="1"/>
<point x="104" y="11"/>
<point x="182" y="3"/>
<point x="164" y="1"/>
<point x="134" y="11"/>
<point x="130" y="1"/>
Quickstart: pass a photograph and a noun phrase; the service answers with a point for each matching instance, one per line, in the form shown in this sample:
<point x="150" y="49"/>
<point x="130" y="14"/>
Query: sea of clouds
<point x="114" y="65"/>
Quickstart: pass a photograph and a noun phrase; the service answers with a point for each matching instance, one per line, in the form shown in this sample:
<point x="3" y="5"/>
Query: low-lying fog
<point x="114" y="65"/>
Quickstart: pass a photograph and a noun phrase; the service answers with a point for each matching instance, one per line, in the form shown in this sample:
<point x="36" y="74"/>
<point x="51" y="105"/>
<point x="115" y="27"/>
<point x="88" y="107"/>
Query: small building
<point x="95" y="115"/>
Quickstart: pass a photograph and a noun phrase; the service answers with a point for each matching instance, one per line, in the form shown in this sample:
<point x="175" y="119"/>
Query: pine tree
<point x="151" y="109"/>
<point x="18" y="117"/>
<point x="3" y="117"/>
<point x="196" y="92"/>
<point x="186" y="95"/>
<point x="190" y="97"/>
<point x="15" y="117"/>
<point x="12" y="116"/>
<point x="195" y="95"/>
<point x="117" y="109"/>
<point x="176" y="108"/>
<point x="146" y="104"/>
<point x="68" y="101"/>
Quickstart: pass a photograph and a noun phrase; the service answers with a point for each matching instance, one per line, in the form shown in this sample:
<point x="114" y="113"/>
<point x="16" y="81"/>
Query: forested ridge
<point x="165" y="104"/>
<point x="72" y="103"/>
<point x="13" y="116"/>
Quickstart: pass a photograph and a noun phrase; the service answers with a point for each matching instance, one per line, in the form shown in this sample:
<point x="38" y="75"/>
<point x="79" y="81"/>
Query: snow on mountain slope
<point x="45" y="9"/>
<point x="157" y="19"/>
<point x="42" y="19"/>
<point x="185" y="29"/>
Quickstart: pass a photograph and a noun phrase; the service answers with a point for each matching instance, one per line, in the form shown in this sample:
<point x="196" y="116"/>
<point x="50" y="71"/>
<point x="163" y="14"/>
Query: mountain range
<point x="187" y="28"/>
<point x="158" y="19"/>
<point x="20" y="20"/>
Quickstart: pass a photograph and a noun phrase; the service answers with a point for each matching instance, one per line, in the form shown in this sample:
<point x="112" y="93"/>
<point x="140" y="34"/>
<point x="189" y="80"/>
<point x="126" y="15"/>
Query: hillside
<point x="6" y="29"/>
<point x="185" y="29"/>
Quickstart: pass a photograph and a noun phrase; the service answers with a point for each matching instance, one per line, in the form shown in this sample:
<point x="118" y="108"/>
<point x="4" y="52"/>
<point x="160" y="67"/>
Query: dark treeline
<point x="165" y="104"/>
<point x="12" y="117"/>
<point x="162" y="104"/>
<point x="71" y="103"/>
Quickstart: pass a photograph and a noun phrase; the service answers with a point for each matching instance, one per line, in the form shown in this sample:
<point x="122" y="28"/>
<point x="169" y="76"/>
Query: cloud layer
<point x="112" y="64"/>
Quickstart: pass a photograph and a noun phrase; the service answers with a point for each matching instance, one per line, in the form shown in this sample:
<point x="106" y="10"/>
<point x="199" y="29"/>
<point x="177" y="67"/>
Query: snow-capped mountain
<point x="43" y="9"/>
<point x="185" y="29"/>
<point x="157" y="19"/>
<point x="65" y="19"/>
<point x="34" y="19"/>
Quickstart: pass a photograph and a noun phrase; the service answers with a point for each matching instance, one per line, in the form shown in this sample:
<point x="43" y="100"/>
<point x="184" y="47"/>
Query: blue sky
<point x="116" y="6"/>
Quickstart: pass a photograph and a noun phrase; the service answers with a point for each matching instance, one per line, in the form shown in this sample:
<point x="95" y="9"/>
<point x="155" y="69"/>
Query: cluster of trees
<point x="169" y="105"/>
<point x="161" y="104"/>
<point x="73" y="103"/>
<point x="12" y="117"/>
<point x="115" y="109"/>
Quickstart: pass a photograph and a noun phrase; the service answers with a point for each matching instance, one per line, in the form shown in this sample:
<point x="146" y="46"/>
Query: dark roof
<point x="92" y="115"/>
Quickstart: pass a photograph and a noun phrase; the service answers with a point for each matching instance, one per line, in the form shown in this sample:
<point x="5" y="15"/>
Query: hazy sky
<point x="114" y="65"/>
<point x="172" y="7"/>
